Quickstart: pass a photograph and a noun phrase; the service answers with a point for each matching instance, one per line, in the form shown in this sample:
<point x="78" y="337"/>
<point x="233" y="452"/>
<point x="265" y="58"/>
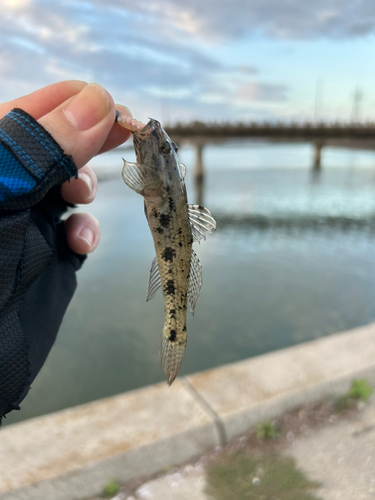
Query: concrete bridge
<point x="352" y="135"/>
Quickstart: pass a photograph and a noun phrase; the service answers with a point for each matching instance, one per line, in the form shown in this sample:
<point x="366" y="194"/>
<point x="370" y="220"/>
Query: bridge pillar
<point x="199" y="173"/>
<point x="317" y="155"/>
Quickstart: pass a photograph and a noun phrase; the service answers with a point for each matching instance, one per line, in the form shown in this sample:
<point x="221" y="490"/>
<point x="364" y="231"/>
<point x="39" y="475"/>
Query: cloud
<point x="252" y="91"/>
<point x="244" y="94"/>
<point x="162" y="49"/>
<point x="104" y="43"/>
<point x="216" y="20"/>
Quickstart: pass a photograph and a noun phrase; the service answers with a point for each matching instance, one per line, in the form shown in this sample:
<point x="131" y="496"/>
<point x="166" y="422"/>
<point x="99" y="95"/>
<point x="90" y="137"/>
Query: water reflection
<point x="199" y="190"/>
<point x="286" y="224"/>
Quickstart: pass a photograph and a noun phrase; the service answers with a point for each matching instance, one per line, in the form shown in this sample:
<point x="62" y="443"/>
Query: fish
<point x="159" y="177"/>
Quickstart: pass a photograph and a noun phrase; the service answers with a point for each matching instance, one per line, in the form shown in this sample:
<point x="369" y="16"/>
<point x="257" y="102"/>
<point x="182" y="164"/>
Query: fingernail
<point x="89" y="107"/>
<point x="86" y="235"/>
<point x="123" y="110"/>
<point x="86" y="179"/>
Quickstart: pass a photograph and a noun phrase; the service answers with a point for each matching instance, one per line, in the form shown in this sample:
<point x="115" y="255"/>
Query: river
<point x="293" y="259"/>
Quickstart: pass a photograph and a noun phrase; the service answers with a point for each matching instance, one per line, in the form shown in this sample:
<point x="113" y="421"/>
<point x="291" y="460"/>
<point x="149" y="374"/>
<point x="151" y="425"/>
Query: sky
<point x="211" y="60"/>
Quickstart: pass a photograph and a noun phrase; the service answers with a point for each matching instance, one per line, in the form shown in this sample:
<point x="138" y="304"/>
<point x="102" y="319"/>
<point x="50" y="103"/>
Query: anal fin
<point x="195" y="282"/>
<point x="154" y="281"/>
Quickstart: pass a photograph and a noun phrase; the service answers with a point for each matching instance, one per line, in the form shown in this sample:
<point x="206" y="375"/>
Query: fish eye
<point x="175" y="146"/>
<point x="165" y="147"/>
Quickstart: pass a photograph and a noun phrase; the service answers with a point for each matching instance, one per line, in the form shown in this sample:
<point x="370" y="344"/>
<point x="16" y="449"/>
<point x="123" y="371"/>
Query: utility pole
<point x="358" y="96"/>
<point x="164" y="102"/>
<point x="318" y="98"/>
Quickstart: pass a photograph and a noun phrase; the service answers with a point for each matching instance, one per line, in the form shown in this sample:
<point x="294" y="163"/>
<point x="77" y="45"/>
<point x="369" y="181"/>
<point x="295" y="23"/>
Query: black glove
<point x="37" y="271"/>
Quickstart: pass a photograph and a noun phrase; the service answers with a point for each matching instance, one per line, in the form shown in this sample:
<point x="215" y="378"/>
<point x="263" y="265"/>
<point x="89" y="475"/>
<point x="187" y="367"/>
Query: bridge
<point x="351" y="135"/>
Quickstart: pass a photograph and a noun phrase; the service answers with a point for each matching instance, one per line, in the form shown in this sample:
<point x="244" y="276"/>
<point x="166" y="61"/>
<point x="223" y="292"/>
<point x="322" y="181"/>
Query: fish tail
<point x="171" y="354"/>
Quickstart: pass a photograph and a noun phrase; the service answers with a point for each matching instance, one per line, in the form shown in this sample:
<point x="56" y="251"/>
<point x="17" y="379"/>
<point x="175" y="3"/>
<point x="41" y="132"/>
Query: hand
<point x="81" y="119"/>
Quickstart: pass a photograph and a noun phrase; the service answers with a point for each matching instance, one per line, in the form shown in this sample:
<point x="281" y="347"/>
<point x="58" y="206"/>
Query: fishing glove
<point x="37" y="268"/>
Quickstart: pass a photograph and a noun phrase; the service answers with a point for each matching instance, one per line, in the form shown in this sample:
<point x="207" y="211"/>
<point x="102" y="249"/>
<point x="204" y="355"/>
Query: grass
<point x="259" y="471"/>
<point x="360" y="390"/>
<point x="111" y="488"/>
<point x="266" y="430"/>
<point x="240" y="477"/>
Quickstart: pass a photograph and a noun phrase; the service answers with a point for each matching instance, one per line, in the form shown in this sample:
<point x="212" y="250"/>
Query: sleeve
<point x="37" y="268"/>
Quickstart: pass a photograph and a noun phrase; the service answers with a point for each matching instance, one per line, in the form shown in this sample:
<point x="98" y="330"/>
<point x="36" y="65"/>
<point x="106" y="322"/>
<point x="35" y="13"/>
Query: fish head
<point x="153" y="146"/>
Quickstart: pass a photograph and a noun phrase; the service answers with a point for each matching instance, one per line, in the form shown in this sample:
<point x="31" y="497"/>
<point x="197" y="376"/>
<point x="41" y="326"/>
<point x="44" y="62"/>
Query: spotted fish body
<point x="159" y="177"/>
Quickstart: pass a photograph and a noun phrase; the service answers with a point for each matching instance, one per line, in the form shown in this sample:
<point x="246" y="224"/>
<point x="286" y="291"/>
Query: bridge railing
<point x="289" y="130"/>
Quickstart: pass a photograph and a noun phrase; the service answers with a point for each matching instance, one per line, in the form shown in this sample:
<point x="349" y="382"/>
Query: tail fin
<point x="171" y="354"/>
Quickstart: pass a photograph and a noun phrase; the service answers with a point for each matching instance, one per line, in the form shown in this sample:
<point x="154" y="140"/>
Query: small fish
<point x="160" y="178"/>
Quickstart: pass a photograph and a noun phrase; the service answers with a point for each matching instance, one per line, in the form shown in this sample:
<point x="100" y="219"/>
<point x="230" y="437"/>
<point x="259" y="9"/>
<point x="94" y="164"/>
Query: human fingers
<point x="44" y="100"/>
<point x="82" y="124"/>
<point x="81" y="190"/>
<point x="118" y="133"/>
<point x="82" y="232"/>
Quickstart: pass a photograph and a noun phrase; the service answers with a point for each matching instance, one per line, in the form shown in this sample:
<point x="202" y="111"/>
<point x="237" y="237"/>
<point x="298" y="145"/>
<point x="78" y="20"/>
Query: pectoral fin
<point x="142" y="179"/>
<point x="183" y="170"/>
<point x="154" y="281"/>
<point x="133" y="176"/>
<point x="201" y="222"/>
<point x="195" y="282"/>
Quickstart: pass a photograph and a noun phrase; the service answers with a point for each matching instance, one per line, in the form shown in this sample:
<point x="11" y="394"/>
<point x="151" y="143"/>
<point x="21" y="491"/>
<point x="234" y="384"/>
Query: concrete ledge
<point x="246" y="392"/>
<point x="71" y="454"/>
<point x="125" y="436"/>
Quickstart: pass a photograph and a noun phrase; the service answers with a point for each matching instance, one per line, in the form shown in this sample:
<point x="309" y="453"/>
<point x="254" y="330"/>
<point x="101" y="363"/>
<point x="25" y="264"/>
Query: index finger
<point x="44" y="100"/>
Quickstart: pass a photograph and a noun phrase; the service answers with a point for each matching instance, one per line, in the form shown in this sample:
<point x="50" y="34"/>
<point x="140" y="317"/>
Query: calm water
<point x="293" y="259"/>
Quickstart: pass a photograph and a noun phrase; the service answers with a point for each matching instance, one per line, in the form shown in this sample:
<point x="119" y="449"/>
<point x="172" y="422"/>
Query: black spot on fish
<point x="180" y="244"/>
<point x="155" y="212"/>
<point x="179" y="231"/>
<point x="159" y="230"/>
<point x="173" y="311"/>
<point x="170" y="271"/>
<point x="168" y="254"/>
<point x="184" y="329"/>
<point x="164" y="220"/>
<point x="171" y="205"/>
<point x="170" y="288"/>
<point x="172" y="335"/>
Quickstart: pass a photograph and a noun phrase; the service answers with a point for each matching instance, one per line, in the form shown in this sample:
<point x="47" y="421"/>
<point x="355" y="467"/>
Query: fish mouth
<point x="153" y="127"/>
<point x="148" y="129"/>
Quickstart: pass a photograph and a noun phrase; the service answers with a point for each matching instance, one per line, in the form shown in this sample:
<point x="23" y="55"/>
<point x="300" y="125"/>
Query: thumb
<point x="82" y="123"/>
